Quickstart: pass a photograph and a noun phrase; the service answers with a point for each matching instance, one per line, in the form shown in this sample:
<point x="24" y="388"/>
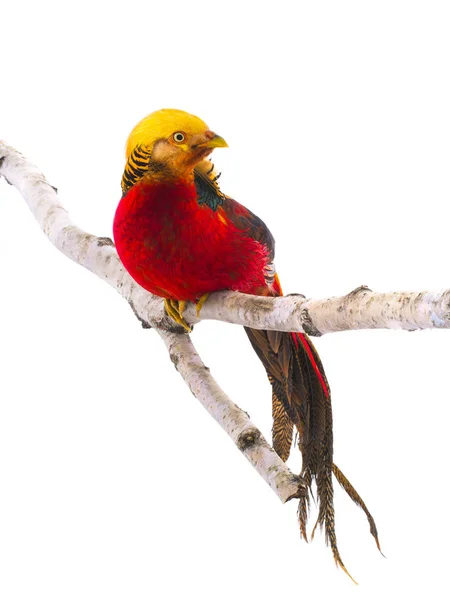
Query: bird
<point x="181" y="238"/>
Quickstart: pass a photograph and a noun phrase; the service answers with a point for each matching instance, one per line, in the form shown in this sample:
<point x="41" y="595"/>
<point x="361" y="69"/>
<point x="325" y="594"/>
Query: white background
<point x="114" y="482"/>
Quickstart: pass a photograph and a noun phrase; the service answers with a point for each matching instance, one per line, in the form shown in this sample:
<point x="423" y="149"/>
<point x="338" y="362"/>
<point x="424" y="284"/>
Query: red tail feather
<point x="304" y="342"/>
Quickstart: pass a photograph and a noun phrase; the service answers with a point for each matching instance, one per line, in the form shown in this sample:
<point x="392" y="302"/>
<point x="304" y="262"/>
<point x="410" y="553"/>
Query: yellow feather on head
<point x="161" y="124"/>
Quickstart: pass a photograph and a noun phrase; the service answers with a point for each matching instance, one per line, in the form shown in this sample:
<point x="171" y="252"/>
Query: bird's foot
<point x="175" y="309"/>
<point x="200" y="303"/>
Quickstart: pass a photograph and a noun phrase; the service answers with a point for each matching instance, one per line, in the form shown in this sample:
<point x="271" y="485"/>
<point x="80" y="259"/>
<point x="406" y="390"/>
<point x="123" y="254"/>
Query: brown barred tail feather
<point x="283" y="427"/>
<point x="301" y="398"/>
<point x="347" y="486"/>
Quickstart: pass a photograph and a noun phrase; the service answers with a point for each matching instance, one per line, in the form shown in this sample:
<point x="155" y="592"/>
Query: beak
<point x="214" y="141"/>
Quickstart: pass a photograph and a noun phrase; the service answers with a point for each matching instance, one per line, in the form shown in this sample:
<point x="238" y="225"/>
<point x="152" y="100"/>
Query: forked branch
<point x="361" y="309"/>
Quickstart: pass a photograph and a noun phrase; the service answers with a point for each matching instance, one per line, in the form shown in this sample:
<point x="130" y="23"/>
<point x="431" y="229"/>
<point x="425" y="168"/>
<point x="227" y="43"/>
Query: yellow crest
<point x="161" y="124"/>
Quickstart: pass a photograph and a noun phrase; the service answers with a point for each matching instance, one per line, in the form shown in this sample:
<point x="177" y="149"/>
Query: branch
<point x="361" y="309"/>
<point x="99" y="256"/>
<point x="231" y="418"/>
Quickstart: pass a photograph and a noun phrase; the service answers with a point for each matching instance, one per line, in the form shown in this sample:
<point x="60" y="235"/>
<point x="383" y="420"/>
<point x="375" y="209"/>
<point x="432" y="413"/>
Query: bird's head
<point x="175" y="140"/>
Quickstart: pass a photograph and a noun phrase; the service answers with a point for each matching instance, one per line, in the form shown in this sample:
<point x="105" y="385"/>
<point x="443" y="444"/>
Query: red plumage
<point x="176" y="248"/>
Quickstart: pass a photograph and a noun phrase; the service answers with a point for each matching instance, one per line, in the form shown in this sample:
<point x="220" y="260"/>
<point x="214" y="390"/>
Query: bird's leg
<point x="200" y="303"/>
<point x="174" y="309"/>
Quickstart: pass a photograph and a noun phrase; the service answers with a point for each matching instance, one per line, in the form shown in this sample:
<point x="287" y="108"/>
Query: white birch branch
<point x="361" y="309"/>
<point x="231" y="418"/>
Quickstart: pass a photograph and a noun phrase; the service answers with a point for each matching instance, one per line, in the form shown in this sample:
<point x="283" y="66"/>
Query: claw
<point x="174" y="309"/>
<point x="200" y="303"/>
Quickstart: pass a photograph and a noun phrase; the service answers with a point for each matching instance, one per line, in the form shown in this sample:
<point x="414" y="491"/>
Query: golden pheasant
<point x="181" y="238"/>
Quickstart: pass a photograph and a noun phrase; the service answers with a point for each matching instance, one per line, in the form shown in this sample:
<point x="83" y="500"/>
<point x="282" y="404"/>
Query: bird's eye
<point x="178" y="137"/>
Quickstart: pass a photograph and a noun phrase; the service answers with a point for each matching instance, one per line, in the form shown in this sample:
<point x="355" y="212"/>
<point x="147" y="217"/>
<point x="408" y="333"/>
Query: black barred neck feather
<point x="136" y="167"/>
<point x="140" y="164"/>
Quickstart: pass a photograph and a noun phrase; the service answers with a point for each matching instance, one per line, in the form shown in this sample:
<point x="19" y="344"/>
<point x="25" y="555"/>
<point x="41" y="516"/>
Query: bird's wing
<point x="209" y="193"/>
<point x="244" y="219"/>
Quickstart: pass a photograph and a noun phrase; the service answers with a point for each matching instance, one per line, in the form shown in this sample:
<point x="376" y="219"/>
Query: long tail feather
<point x="304" y="505"/>
<point x="347" y="486"/>
<point x="301" y="398"/>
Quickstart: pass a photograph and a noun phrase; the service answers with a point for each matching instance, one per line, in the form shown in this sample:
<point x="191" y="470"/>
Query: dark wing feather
<point x="209" y="192"/>
<point x="244" y="219"/>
